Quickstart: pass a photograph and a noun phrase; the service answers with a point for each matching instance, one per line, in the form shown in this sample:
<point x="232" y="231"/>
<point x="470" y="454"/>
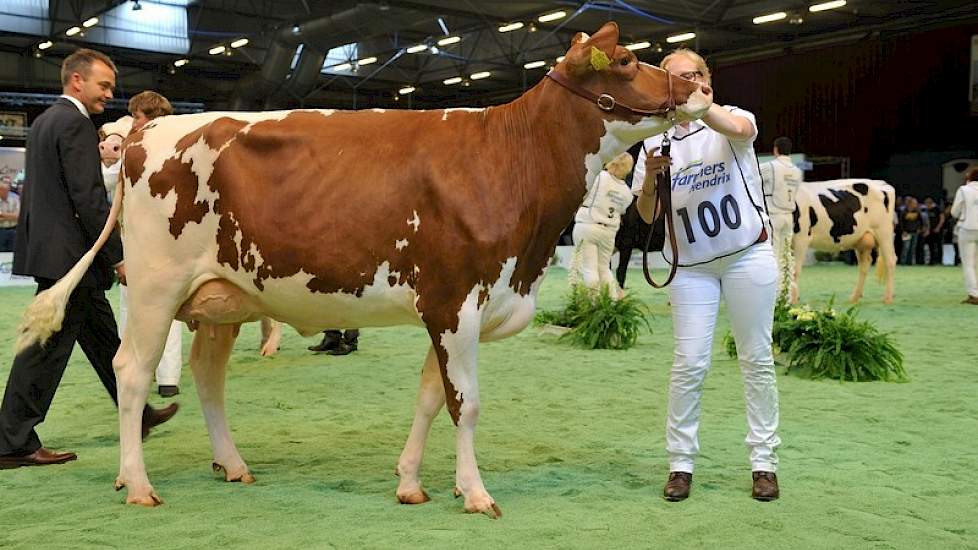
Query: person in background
<point x="935" y="229"/>
<point x="965" y="209"/>
<point x="64" y="202"/>
<point x="9" y="212"/>
<point x="781" y="178"/>
<point x="911" y="228"/>
<point x="595" y="225"/>
<point x="722" y="250"/>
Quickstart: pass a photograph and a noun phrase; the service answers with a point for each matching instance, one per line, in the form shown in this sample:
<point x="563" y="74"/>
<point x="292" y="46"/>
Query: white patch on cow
<point x="618" y="136"/>
<point x="401" y="243"/>
<point x="415" y="221"/>
<point x="445" y="112"/>
<point x="504" y="313"/>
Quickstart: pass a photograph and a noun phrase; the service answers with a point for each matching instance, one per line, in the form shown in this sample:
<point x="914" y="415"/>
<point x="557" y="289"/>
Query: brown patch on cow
<point x="135" y="158"/>
<point x="177" y="175"/>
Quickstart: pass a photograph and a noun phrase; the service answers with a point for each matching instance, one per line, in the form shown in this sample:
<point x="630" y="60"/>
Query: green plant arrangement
<point x="823" y="343"/>
<point x="597" y="321"/>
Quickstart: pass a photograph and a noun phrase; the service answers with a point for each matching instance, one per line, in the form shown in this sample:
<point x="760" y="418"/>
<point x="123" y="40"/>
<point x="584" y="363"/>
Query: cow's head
<point x="634" y="96"/>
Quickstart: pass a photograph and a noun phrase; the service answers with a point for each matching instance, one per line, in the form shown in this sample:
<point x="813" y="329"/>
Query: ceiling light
<point x="45" y="45"/>
<point x="658" y="47"/>
<point x="452" y="80"/>
<point x="796" y="19"/>
<point x="552" y="16"/>
<point x="827" y="6"/>
<point x="449" y="40"/>
<point x="73" y="31"/>
<point x="417" y="49"/>
<point x="480" y="76"/>
<point x="770" y="17"/>
<point x="366" y="61"/>
<point x="342" y="67"/>
<point x="534" y="64"/>
<point x="511" y="27"/>
<point x="180" y="62"/>
<point x="638" y="46"/>
<point x="90" y="22"/>
<point x="406" y="90"/>
<point x="560" y="59"/>
<point x="681" y="37"/>
<point x="216" y="50"/>
<point x="434" y="50"/>
<point x="239" y="42"/>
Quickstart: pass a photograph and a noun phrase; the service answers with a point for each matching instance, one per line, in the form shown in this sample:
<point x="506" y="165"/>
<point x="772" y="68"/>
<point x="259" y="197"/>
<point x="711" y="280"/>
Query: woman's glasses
<point x="691" y="75"/>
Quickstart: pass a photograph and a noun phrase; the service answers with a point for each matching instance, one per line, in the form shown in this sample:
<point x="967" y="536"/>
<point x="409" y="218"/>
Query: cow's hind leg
<point x="431" y="398"/>
<point x="134" y="365"/>
<point x="208" y="359"/>
<point x="271" y="336"/>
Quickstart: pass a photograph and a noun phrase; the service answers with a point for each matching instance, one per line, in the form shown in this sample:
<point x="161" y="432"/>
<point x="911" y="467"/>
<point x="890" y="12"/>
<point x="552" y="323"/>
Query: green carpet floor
<point x="570" y="444"/>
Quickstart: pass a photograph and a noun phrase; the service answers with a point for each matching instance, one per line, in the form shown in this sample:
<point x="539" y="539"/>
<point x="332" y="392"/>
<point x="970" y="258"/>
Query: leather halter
<point x="608" y="103"/>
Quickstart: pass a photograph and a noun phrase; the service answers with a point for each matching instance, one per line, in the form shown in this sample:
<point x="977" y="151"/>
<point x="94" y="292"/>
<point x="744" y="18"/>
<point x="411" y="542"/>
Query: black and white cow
<point x="850" y="214"/>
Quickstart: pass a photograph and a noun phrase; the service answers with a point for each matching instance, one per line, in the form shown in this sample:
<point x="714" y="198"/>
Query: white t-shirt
<point x="965" y="207"/>
<point x="606" y="202"/>
<point x="717" y="201"/>
<point x="780" y="179"/>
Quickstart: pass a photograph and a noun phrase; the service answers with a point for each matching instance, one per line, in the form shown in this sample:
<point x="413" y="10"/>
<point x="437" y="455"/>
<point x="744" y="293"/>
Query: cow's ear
<point x="592" y="53"/>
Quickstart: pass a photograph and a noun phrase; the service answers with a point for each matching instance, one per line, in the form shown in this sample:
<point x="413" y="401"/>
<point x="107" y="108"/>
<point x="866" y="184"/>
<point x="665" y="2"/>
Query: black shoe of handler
<point x="331" y="340"/>
<point x="343" y="348"/>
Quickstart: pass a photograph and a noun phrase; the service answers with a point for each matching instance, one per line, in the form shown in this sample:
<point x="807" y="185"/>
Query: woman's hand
<point x="654" y="165"/>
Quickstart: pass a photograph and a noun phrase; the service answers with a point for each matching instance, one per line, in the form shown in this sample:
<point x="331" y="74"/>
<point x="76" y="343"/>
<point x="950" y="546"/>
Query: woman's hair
<point x="690" y="55"/>
<point x="971" y="175"/>
<point x="622" y="164"/>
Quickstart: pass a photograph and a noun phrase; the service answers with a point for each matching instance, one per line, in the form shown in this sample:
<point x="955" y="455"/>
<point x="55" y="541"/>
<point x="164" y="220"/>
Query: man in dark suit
<point x="63" y="210"/>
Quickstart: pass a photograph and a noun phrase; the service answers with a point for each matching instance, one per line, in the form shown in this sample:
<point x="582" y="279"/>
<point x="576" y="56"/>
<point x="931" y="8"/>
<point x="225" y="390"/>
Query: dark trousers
<point x="7" y="235"/>
<point x="37" y="371"/>
<point x="933" y="242"/>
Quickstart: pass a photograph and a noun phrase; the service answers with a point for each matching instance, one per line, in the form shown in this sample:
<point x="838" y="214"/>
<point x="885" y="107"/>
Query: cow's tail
<point x="46" y="313"/>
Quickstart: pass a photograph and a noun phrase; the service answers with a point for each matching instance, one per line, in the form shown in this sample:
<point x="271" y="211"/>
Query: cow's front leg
<point x="208" y="359"/>
<point x="431" y="398"/>
<point x="457" y="354"/>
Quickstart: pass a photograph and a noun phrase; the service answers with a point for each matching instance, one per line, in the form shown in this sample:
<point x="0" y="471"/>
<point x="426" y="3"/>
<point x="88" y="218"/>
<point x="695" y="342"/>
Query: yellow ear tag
<point x="599" y="60"/>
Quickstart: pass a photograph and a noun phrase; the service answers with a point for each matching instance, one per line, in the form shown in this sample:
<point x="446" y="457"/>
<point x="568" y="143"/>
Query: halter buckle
<point x="606" y="102"/>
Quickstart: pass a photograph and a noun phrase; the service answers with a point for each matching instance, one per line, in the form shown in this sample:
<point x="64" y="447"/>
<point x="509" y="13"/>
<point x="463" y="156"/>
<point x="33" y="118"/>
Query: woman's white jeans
<point x="968" y="245"/>
<point x="748" y="283"/>
<point x="168" y="371"/>
<point x="591" y="263"/>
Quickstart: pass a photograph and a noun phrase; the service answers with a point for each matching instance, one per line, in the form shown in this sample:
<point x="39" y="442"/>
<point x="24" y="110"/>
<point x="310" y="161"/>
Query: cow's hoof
<point x="269" y="349"/>
<point x="119" y="484"/>
<point x="151" y="500"/>
<point x="243" y="476"/>
<point x="480" y="505"/>
<point x="418" y="496"/>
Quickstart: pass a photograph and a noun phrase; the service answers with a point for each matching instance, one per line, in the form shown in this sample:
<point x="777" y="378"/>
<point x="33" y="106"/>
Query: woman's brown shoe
<point x="765" y="486"/>
<point x="677" y="488"/>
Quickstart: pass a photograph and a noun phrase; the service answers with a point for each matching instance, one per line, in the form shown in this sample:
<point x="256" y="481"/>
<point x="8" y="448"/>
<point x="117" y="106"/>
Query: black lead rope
<point x="662" y="207"/>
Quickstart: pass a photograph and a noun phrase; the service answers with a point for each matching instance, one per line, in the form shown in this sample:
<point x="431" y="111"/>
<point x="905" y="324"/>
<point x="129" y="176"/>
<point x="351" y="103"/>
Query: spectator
<point x="935" y="217"/>
<point x="9" y="211"/>
<point x="911" y="227"/>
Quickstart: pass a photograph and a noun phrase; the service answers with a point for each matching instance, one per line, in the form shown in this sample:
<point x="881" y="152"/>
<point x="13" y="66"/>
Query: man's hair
<point x="783" y="144"/>
<point x="972" y="175"/>
<point x="81" y="62"/>
<point x="151" y="104"/>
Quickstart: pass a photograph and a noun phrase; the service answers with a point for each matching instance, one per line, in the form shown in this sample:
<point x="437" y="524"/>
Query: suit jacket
<point x="64" y="205"/>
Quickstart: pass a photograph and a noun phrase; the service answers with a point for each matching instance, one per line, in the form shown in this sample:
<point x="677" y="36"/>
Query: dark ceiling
<point x="258" y="75"/>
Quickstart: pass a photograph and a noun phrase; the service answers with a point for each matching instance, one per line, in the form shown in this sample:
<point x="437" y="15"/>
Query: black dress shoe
<point x="169" y="391"/>
<point x="765" y="486"/>
<point x="154" y="417"/>
<point x="40" y="457"/>
<point x="331" y="339"/>
<point x="343" y="349"/>
<point x="677" y="488"/>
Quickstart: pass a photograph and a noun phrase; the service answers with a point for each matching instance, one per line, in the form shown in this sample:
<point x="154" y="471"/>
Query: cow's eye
<point x="624" y="61"/>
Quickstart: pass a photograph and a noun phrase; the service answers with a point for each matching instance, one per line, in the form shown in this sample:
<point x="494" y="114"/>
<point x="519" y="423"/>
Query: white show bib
<point x="717" y="204"/>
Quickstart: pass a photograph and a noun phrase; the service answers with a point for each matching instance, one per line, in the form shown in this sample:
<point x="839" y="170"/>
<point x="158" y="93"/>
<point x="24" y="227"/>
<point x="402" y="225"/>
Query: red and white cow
<point x="444" y="219"/>
<point x="851" y="214"/>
